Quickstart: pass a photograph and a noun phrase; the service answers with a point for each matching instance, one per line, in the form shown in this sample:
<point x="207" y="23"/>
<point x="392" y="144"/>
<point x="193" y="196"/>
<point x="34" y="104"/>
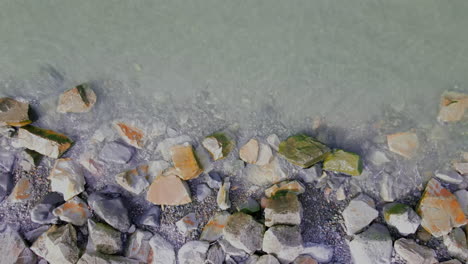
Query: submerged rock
<point x="150" y="217"/>
<point x="185" y="162"/>
<point x="284" y="187"/>
<point x="14" y="250"/>
<point x="58" y="245"/>
<point x="461" y="167"/>
<point x="223" y="195"/>
<point x="243" y="232"/>
<point x="111" y="210"/>
<point x="456" y="244"/>
<point x="264" y="155"/>
<point x="23" y="191"/>
<point x="116" y="152"/>
<point x="193" y="252"/>
<point x="373" y="246"/>
<point x="285" y="210"/>
<point x="311" y="174"/>
<point x="14" y="113"/>
<point x="213" y="230"/>
<point x="344" y="162"/>
<point x="130" y="134"/>
<point x="79" y="99"/>
<point x="273" y="141"/>
<point x="452" y="107"/>
<point x="41" y="213"/>
<point x="449" y="176"/>
<point x="405" y="144"/>
<point x="401" y="217"/>
<point x="46" y="142"/>
<point x="303" y="150"/>
<point x="187" y="223"/>
<point x="67" y="178"/>
<point x="135" y="180"/>
<point x="104" y="238"/>
<point x="411" y="252"/>
<point x="138" y="246"/>
<point x="284" y="242"/>
<point x="163" y="251"/>
<point x="164" y="147"/>
<point x="74" y="211"/>
<point x="359" y="213"/>
<point x="168" y="190"/>
<point x="218" y="145"/>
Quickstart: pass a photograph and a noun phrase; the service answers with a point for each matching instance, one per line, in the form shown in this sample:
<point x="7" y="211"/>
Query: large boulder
<point x="14" y="113"/>
<point x="284" y="242"/>
<point x="58" y="245"/>
<point x="285" y="210"/>
<point x="110" y="209"/>
<point x="67" y="178"/>
<point x="303" y="150"/>
<point x="46" y="142"/>
<point x="79" y="99"/>
<point x="359" y="213"/>
<point x="373" y="246"/>
<point x="243" y="232"/>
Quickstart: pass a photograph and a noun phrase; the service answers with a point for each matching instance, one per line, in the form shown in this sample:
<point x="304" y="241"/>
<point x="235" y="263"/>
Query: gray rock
<point x="150" y="217"/>
<point x="411" y="252"/>
<point x="456" y="244"/>
<point x="104" y="238"/>
<point x="214" y="180"/>
<point x="321" y="253"/>
<point x="285" y="210"/>
<point x="462" y="197"/>
<point x="215" y="255"/>
<point x="7" y="160"/>
<point x="163" y="250"/>
<point x="41" y="213"/>
<point x="58" y="245"/>
<point x="74" y="211"/>
<point x="273" y="141"/>
<point x="111" y="210"/>
<point x="203" y="191"/>
<point x="449" y="176"/>
<point x="187" y="223"/>
<point x="373" y="246"/>
<point x="14" y="250"/>
<point x="243" y="232"/>
<point x="401" y="217"/>
<point x="311" y="174"/>
<point x="135" y="180"/>
<point x="231" y="250"/>
<point x="138" y="246"/>
<point x="284" y="242"/>
<point x="32" y="235"/>
<point x="99" y="258"/>
<point x="29" y="159"/>
<point x="156" y="168"/>
<point x="116" y="152"/>
<point x="249" y="207"/>
<point x="267" y="259"/>
<point x="252" y="259"/>
<point x="193" y="252"/>
<point x="6" y="184"/>
<point x="359" y="213"/>
<point x="452" y="261"/>
<point x="213" y="230"/>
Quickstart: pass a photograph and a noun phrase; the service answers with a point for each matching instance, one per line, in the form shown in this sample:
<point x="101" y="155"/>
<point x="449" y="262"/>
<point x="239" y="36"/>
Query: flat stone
<point x="110" y="209"/>
<point x="14" y="113"/>
<point x="321" y="253"/>
<point x="193" y="252"/>
<point x="14" y="250"/>
<point x="411" y="252"/>
<point x="452" y="107"/>
<point x="203" y="191"/>
<point x="138" y="246"/>
<point x="284" y="209"/>
<point x="219" y="145"/>
<point x="311" y="174"/>
<point x="284" y="242"/>
<point x="187" y="224"/>
<point x="264" y="175"/>
<point x="249" y="152"/>
<point x="164" y="147"/>
<point x="359" y="213"/>
<point x="439" y="210"/>
<point x="401" y="217"/>
<point x="163" y="251"/>
<point x="343" y="162"/>
<point x="104" y="238"/>
<point x="449" y="176"/>
<point x="462" y="198"/>
<point x="213" y="230"/>
<point x="116" y="152"/>
<point x="215" y="255"/>
<point x="168" y="190"/>
<point x="373" y="246"/>
<point x="66" y="178"/>
<point x="29" y="159"/>
<point x="456" y="244"/>
<point x="304" y="259"/>
<point x="46" y="142"/>
<point x="74" y="211"/>
<point x="303" y="150"/>
<point x="58" y="245"/>
<point x="23" y="191"/>
<point x="284" y="187"/>
<point x="41" y="213"/>
<point x="135" y="180"/>
<point x="185" y="162"/>
<point x="99" y="258"/>
<point x="267" y="259"/>
<point x="243" y="232"/>
<point x="79" y="99"/>
<point x="130" y="134"/>
<point x="222" y="198"/>
<point x="249" y="207"/>
<point x="461" y="167"/>
<point x="405" y="144"/>
<point x="151" y="217"/>
<point x="273" y="141"/>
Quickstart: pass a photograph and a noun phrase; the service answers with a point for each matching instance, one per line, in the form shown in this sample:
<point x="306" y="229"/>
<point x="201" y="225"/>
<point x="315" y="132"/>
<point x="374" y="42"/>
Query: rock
<point x="213" y="230"/>
<point x="150" y="217"/>
<point x="311" y="174"/>
<point x="156" y="168"/>
<point x="378" y="158"/>
<point x="41" y="213"/>
<point x="387" y="190"/>
<point x="14" y="250"/>
<point x="423" y="235"/>
<point x="46" y="142"/>
<point x="456" y="244"/>
<point x="462" y="198"/>
<point x="79" y="99"/>
<point x="138" y="246"/>
<point x="343" y="162"/>
<point x="304" y="259"/>
<point x="30" y="159"/>
<point x="264" y="155"/>
<point x="401" y="217"/>
<point x="232" y="251"/>
<point x="359" y="213"/>
<point x="204" y="158"/>
<point x="452" y="107"/>
<point x="135" y="180"/>
<point x="249" y="207"/>
<point x="7" y="161"/>
<point x="32" y="235"/>
<point x="340" y="194"/>
<point x="185" y="162"/>
<point x="452" y="261"/>
<point x="99" y="258"/>
<point x="439" y="210"/>
<point x="6" y="183"/>
<point x="116" y="152"/>
<point x="193" y="252"/>
<point x="264" y="175"/>
<point x="203" y="191"/>
<point x="284" y="187"/>
<point x="284" y="209"/>
<point x="130" y="134"/>
<point x="243" y="232"/>
<point x="461" y="167"/>
<point x="187" y="223"/>
<point x="405" y="144"/>
<point x="411" y="252"/>
<point x="74" y="211"/>
<point x="373" y="246"/>
<point x="303" y="150"/>
<point x="23" y="191"/>
<point x="91" y="163"/>
<point x="218" y="145"/>
<point x="223" y="195"/>
<point x="163" y="251"/>
<point x="58" y="245"/>
<point x="14" y="113"/>
<point x="168" y="190"/>
<point x="214" y="180"/>
<point x="104" y="238"/>
<point x="249" y="152"/>
<point x="449" y="176"/>
<point x="267" y="259"/>
<point x="284" y="242"/>
<point x="110" y="209"/>
<point x="273" y="141"/>
<point x="164" y="147"/>
<point x="321" y="253"/>
<point x="215" y="255"/>
<point x="67" y="178"/>
<point x="252" y="259"/>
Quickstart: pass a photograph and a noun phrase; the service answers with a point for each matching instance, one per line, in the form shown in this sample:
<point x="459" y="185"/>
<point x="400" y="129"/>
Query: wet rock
<point x="116" y="152"/>
<point x="359" y="213"/>
<point x="58" y="245"/>
<point x="135" y="180"/>
<point x="311" y="174"/>
<point x="213" y="230"/>
<point x="14" y="250"/>
<point x="284" y="209"/>
<point x="243" y="232"/>
<point x="104" y="238"/>
<point x="74" y="211"/>
<point x="46" y="142"/>
<point x="14" y="113"/>
<point x="264" y="175"/>
<point x="163" y="251"/>
<point x="449" y="176"/>
<point x="303" y="150"/>
<point x="193" y="252"/>
<point x="439" y="210"/>
<point x="321" y="253"/>
<point x="215" y="255"/>
<point x="150" y="217"/>
<point x="411" y="252"/>
<point x="214" y="180"/>
<point x="185" y="162"/>
<point x="23" y="191"/>
<point x="138" y="246"/>
<point x="6" y="184"/>
<point x="267" y="259"/>
<point x="223" y="195"/>
<point x="41" y="213"/>
<point x="378" y="158"/>
<point x="249" y="152"/>
<point x="401" y="217"/>
<point x="67" y="178"/>
<point x="187" y="223"/>
<point x="112" y="210"/>
<point x="218" y="145"/>
<point x="284" y="187"/>
<point x="203" y="191"/>
<point x="164" y="147"/>
<point x="284" y="242"/>
<point x="456" y="244"/>
<point x="452" y="107"/>
<point x="461" y="167"/>
<point x="249" y="207"/>
<point x="405" y="144"/>
<point x="273" y="141"/>
<point x="168" y="190"/>
<point x="130" y="134"/>
<point x="304" y="259"/>
<point x="79" y="99"/>
<point x="343" y="162"/>
<point x="373" y="246"/>
<point x="29" y="159"/>
<point x="99" y="258"/>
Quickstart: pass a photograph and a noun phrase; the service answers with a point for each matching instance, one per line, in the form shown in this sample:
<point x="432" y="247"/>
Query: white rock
<point x="387" y="192"/>
<point x="414" y="253"/>
<point x="267" y="259"/>
<point x="163" y="250"/>
<point x="284" y="242"/>
<point x="214" y="147"/>
<point x="274" y="141"/>
<point x="264" y="155"/>
<point x="264" y="175"/>
<point x="462" y="197"/>
<point x="456" y="244"/>
<point x="461" y="167"/>
<point x="373" y="246"/>
<point x="321" y="253"/>
<point x="187" y="223"/>
<point x="401" y="217"/>
<point x="449" y="176"/>
<point x="359" y="213"/>
<point x="193" y="252"/>
<point x="164" y="147"/>
<point x="223" y="195"/>
<point x="67" y="178"/>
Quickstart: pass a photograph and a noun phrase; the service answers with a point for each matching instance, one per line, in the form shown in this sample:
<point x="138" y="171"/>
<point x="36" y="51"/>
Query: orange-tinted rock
<point x="168" y="190"/>
<point x="22" y="191"/>
<point x="249" y="152"/>
<point x="452" y="107"/>
<point x="439" y="210"/>
<point x="74" y="211"/>
<point x="405" y="144"/>
<point x="14" y="113"/>
<point x="185" y="162"/>
<point x="132" y="135"/>
<point x="77" y="100"/>
<point x="46" y="142"/>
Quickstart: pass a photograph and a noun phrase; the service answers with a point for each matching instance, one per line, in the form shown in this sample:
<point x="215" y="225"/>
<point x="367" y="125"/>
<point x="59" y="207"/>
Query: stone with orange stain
<point x="131" y="134"/>
<point x="440" y="210"/>
<point x="213" y="230"/>
<point x="138" y="246"/>
<point x="185" y="162"/>
<point x="168" y="190"/>
<point x="14" y="113"/>
<point x="187" y="223"/>
<point x="135" y="180"/>
<point x="74" y="211"/>
<point x="22" y="191"/>
<point x="79" y="99"/>
<point x="452" y="107"/>
<point x="104" y="238"/>
<point x="405" y="143"/>
<point x="46" y="142"/>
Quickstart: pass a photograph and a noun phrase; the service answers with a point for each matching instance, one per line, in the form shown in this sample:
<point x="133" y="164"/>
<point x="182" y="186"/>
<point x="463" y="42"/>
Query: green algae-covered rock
<point x="46" y="142"/>
<point x="344" y="162"/>
<point x="218" y="144"/>
<point x="303" y="150"/>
